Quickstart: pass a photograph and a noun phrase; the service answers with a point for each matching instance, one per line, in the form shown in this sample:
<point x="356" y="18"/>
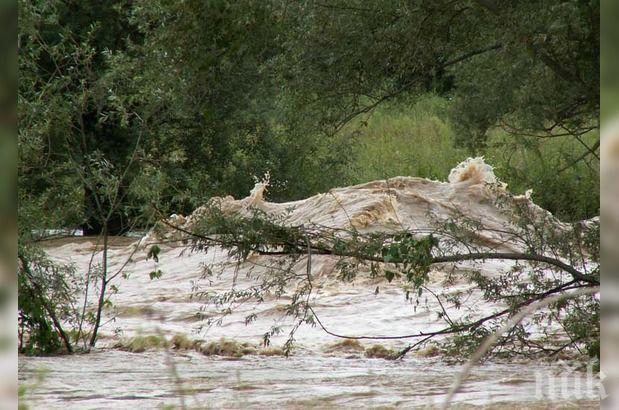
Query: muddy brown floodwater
<point x="119" y="380"/>
<point x="317" y="374"/>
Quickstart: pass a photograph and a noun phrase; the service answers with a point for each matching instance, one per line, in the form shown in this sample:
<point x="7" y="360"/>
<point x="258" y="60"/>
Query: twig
<point x="449" y="329"/>
<point x="513" y="321"/>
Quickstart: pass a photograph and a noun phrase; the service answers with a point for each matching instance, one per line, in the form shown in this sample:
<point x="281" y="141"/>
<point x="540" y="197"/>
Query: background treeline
<point x="132" y="103"/>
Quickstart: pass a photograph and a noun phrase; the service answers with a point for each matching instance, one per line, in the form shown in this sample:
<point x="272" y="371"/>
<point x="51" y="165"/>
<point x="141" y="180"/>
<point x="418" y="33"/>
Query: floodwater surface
<point x="117" y="379"/>
<point x="318" y="373"/>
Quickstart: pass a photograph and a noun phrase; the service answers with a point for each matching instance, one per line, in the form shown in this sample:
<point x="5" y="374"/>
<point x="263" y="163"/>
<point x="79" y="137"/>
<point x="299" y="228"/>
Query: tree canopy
<point x="219" y="91"/>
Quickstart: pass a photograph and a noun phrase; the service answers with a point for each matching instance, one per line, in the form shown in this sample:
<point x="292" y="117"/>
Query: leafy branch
<point x="409" y="255"/>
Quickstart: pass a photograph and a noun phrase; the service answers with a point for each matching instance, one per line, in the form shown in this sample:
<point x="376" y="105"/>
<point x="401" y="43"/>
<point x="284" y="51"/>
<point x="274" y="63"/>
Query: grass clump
<point x="272" y="351"/>
<point x="429" y="351"/>
<point x="380" y="352"/>
<point x="346" y="345"/>
<point x="182" y="342"/>
<point x="130" y="311"/>
<point x="139" y="344"/>
<point x="228" y="348"/>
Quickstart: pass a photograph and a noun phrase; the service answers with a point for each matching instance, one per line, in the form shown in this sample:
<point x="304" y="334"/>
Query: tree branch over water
<point x="552" y="268"/>
<point x="296" y="248"/>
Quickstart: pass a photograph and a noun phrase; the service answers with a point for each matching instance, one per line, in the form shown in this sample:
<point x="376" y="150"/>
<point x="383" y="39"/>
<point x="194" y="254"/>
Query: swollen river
<point x="119" y="380"/>
<point x="321" y="372"/>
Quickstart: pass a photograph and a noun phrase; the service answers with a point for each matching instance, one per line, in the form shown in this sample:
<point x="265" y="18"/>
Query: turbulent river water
<point x="319" y="373"/>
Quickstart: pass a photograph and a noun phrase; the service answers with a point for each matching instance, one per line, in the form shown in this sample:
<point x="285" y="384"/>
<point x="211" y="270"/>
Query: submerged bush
<point x="272" y="351"/>
<point x="345" y="345"/>
<point x="182" y="342"/>
<point x="429" y="351"/>
<point x="228" y="348"/>
<point x="139" y="344"/>
<point x="380" y="352"/>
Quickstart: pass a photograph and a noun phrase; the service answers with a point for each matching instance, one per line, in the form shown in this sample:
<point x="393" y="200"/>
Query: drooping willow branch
<point x="455" y="328"/>
<point x="294" y="240"/>
<point x="410" y="251"/>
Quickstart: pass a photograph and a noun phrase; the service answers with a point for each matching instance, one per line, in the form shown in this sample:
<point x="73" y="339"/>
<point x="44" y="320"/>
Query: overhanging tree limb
<point x="409" y="84"/>
<point x="322" y="250"/>
<point x="456" y="328"/>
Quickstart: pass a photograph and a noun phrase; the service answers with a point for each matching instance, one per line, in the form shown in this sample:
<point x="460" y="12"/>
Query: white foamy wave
<point x="256" y="195"/>
<point x="472" y="170"/>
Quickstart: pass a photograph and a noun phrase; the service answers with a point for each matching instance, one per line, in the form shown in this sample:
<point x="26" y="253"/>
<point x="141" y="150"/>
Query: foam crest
<point x="472" y="170"/>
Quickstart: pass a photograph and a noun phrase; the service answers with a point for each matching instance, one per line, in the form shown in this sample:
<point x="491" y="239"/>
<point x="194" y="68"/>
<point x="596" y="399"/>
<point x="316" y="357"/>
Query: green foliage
<point x="217" y="108"/>
<point x="153" y="253"/>
<point x="412" y="255"/>
<point x="156" y="274"/>
<point x="405" y="138"/>
<point x="517" y="288"/>
<point x="419" y="140"/>
<point x="87" y="149"/>
<point x="465" y="344"/>
<point x="47" y="292"/>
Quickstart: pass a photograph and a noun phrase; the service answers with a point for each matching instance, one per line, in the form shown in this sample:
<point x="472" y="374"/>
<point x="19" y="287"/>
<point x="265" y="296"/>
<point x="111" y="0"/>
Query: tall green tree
<point x="70" y="115"/>
<point x="531" y="68"/>
<point x="82" y="155"/>
<point x="219" y="102"/>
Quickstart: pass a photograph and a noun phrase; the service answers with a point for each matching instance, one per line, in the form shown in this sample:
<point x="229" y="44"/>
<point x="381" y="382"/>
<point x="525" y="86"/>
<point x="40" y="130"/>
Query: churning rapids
<point x="318" y="374"/>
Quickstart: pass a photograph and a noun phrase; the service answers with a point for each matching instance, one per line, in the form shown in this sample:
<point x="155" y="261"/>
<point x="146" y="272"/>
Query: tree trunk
<point x="101" y="302"/>
<point x="93" y="226"/>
